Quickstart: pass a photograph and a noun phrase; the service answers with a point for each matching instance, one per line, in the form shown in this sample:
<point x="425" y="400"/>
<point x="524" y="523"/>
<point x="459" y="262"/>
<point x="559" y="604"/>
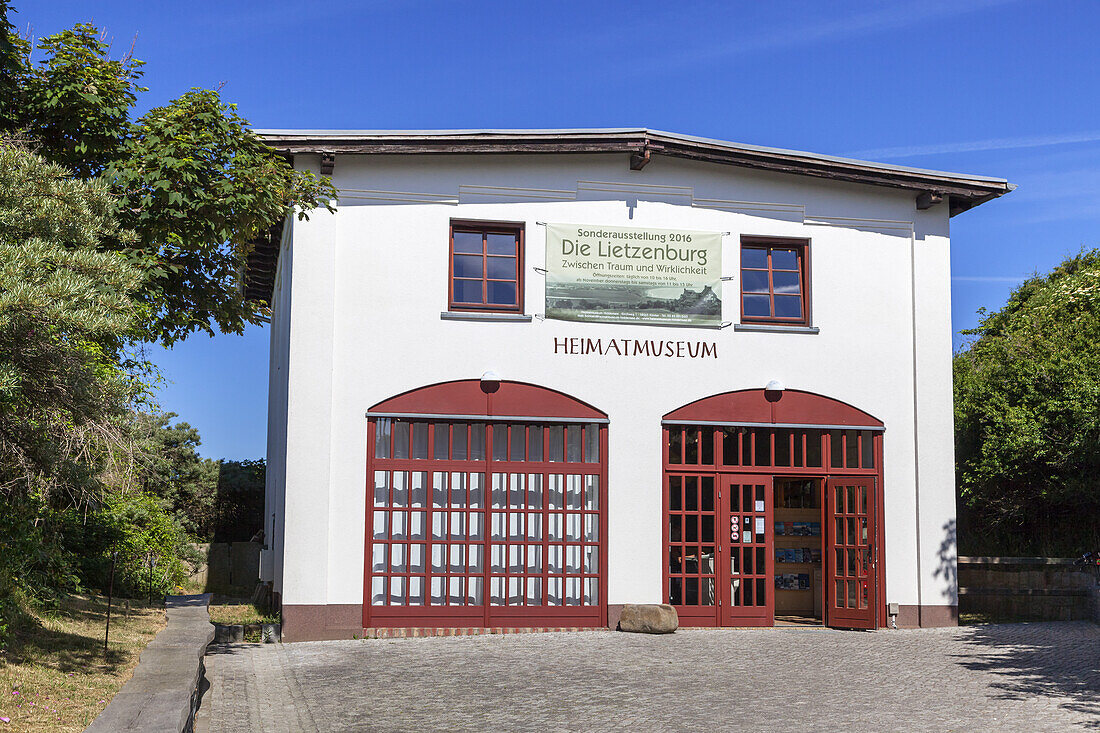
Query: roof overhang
<point x="963" y="191"/>
<point x="959" y="191"/>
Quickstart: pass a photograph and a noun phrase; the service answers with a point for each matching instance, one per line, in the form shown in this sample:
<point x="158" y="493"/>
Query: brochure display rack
<point x="797" y="535"/>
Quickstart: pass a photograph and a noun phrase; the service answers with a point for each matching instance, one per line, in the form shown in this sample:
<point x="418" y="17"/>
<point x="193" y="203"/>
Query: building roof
<point x="959" y="191"/>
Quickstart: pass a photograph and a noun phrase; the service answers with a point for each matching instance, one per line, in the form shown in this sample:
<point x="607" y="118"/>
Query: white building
<point x="475" y="422"/>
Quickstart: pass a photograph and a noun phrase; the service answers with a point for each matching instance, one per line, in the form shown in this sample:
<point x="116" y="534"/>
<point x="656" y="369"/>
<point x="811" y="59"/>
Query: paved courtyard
<point x="1019" y="677"/>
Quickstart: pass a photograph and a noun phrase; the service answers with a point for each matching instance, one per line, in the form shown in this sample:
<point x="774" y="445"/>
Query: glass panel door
<point x="746" y="563"/>
<point x="850" y="585"/>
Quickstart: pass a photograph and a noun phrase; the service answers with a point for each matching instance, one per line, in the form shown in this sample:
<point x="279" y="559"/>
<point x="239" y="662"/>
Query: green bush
<point x="151" y="545"/>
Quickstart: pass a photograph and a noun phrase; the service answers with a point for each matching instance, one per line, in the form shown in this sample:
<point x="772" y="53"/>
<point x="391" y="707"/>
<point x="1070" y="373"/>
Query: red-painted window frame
<point x="517" y="229"/>
<point x="802" y="249"/>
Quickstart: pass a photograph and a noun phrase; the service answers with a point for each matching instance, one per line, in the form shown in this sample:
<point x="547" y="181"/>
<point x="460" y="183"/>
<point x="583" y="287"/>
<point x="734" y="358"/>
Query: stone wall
<point x="1040" y="588"/>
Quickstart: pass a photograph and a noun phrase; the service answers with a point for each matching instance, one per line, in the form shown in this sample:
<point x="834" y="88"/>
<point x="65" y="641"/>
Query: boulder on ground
<point x="649" y="618"/>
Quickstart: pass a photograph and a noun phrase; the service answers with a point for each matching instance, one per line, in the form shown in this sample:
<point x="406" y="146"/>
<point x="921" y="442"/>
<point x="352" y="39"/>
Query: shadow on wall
<point x="233" y="559"/>
<point x="948" y="568"/>
<point x="232" y="568"/>
<point x="1040" y="660"/>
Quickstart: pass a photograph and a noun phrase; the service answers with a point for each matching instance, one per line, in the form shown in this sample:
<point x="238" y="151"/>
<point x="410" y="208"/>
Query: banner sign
<point x="626" y="275"/>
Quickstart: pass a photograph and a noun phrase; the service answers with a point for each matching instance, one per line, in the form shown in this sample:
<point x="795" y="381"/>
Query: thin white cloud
<point x="972" y="146"/>
<point x="876" y="21"/>
<point x="988" y="279"/>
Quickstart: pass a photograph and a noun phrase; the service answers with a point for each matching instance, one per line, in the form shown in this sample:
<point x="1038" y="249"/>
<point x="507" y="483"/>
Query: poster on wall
<point x="628" y="275"/>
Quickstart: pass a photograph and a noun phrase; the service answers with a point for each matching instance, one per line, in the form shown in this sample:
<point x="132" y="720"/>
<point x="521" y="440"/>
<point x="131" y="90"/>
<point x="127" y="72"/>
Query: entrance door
<point x="851" y="589"/>
<point x="746" y="560"/>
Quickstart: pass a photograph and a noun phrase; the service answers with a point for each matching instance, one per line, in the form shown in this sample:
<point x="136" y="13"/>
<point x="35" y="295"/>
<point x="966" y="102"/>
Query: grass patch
<point x="54" y="676"/>
<point x="241" y="613"/>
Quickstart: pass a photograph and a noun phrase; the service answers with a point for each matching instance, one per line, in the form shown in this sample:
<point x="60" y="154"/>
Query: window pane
<point x="419" y="493"/>
<point x="573" y="444"/>
<point x="420" y="440"/>
<point x="763" y="445"/>
<point x="468" y="291"/>
<point x="477" y="483"/>
<point x="382" y="438"/>
<point x="592" y="492"/>
<point x="500" y="442"/>
<point x="516" y="452"/>
<point x="534" y="491"/>
<point x="786" y="282"/>
<point x="440" y="441"/>
<point x="756" y="306"/>
<point x="867" y="446"/>
<point x="468" y="242"/>
<point x="784" y="259"/>
<point x="591" y="443"/>
<point x="501" y="293"/>
<point x="754" y="281"/>
<point x="477" y="442"/>
<point x="782" y="447"/>
<point x="469" y="266"/>
<point x="501" y="244"/>
<point x="675" y="444"/>
<point x="557" y="442"/>
<point x="534" y="443"/>
<point x="813" y="448"/>
<point x="788" y="306"/>
<point x="381" y="488"/>
<point x="459" y="449"/>
<point x="754" y="257"/>
<point x="400" y="439"/>
<point x="851" y="449"/>
<point x="502" y="268"/>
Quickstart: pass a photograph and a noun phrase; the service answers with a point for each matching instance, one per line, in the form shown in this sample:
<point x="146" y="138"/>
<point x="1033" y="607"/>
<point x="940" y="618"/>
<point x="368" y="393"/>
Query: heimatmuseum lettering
<point x="636" y="347"/>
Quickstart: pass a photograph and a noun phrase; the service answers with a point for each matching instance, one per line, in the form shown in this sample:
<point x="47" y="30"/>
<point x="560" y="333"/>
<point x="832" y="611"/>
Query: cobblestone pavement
<point x="1019" y="677"/>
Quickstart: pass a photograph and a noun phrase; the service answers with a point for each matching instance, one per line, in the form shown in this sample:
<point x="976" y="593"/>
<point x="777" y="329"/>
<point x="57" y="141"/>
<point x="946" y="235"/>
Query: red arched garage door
<point x="486" y="509"/>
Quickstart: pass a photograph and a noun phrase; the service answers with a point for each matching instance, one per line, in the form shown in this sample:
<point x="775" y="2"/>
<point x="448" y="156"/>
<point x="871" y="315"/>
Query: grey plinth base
<point x="163" y="693"/>
<point x="649" y="618"/>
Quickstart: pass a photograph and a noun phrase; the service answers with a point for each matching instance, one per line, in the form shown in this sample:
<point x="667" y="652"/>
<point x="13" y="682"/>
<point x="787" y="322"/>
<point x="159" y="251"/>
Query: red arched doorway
<point x="773" y="511"/>
<point x="486" y="508"/>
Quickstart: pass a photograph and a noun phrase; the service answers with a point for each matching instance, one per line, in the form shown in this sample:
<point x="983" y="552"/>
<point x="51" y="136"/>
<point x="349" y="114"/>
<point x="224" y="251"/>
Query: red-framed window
<point x="748" y="447"/>
<point x="486" y="266"/>
<point x="774" y="281"/>
<point x="484" y="522"/>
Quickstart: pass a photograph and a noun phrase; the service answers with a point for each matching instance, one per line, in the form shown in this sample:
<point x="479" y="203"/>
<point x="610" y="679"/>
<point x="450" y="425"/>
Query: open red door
<point x="747" y="586"/>
<point x="851" y="588"/>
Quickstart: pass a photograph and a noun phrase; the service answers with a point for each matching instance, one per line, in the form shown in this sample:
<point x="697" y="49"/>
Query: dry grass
<point x="55" y="678"/>
<point x="240" y="613"/>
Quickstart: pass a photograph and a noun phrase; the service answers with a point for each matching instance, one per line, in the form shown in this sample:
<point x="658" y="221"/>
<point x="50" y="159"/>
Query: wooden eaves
<point x="961" y="192"/>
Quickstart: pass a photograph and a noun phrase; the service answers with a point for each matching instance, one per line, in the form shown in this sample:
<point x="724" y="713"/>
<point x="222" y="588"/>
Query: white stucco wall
<point x="369" y="285"/>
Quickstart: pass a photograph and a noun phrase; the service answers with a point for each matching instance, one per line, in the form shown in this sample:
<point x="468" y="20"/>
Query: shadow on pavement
<point x="1056" y="659"/>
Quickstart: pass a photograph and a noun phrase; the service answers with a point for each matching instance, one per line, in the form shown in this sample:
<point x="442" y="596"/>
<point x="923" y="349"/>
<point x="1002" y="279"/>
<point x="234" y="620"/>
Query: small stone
<point x="649" y="618"/>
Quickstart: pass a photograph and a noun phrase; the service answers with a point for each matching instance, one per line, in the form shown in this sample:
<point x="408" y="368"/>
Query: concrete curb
<point x="163" y="693"/>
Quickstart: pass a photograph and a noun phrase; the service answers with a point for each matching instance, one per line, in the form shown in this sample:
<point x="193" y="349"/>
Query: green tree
<point x="1027" y="418"/>
<point x="167" y="464"/>
<point x="67" y="312"/>
<point x="192" y="182"/>
<point x="240" y="502"/>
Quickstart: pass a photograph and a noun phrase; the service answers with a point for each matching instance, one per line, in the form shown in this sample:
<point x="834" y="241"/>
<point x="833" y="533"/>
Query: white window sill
<point x="768" y="328"/>
<point x="478" y="316"/>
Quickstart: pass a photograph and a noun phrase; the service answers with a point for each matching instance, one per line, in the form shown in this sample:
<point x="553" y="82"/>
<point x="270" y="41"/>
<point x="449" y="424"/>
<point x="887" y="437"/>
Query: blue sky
<point x="1005" y="88"/>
